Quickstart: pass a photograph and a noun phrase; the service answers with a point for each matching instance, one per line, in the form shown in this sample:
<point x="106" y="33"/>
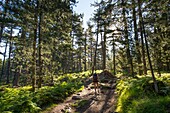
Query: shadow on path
<point x="103" y="102"/>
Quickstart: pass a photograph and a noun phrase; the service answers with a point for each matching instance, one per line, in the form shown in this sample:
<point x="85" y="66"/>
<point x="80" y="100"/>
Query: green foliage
<point x="151" y="105"/>
<point x="138" y="96"/>
<point x="22" y="100"/>
<point x="18" y="100"/>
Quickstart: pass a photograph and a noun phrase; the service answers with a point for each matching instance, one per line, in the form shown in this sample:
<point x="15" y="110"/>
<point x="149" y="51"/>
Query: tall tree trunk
<point x="147" y="50"/>
<point x="104" y="48"/>
<point x="9" y="58"/>
<point x="95" y="52"/>
<point x="67" y="60"/>
<point x="17" y="76"/>
<point x="72" y="56"/>
<point x="2" y="25"/>
<point x="80" y="57"/>
<point x="78" y="68"/>
<point x="40" y="47"/>
<point x="159" y="63"/>
<point x="3" y="64"/>
<point x="102" y="44"/>
<point x="150" y="63"/>
<point x="34" y="61"/>
<point x="142" y="40"/>
<point x="34" y="50"/>
<point x="85" y="48"/>
<point x="158" y="54"/>
<point x="114" y="56"/>
<point x="129" y="57"/>
<point x="138" y="54"/>
<point x="91" y="55"/>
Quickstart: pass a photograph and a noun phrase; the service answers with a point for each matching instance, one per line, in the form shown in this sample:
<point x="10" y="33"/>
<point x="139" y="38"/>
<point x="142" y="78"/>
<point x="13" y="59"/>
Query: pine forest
<point x="49" y="57"/>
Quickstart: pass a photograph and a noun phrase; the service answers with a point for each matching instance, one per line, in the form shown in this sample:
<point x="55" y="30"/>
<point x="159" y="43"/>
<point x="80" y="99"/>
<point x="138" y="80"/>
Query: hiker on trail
<point x="95" y="81"/>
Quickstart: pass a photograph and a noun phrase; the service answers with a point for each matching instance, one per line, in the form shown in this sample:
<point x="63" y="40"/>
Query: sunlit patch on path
<point x="87" y="102"/>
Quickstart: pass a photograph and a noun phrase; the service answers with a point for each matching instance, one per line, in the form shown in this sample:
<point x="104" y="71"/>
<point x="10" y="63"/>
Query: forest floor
<point x="87" y="102"/>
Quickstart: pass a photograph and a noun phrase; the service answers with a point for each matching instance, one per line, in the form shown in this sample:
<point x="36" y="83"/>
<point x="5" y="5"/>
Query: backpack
<point x="94" y="77"/>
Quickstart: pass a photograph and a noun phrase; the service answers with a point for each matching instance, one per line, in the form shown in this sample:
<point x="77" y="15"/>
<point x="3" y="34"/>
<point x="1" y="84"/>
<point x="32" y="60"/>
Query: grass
<point x="138" y="96"/>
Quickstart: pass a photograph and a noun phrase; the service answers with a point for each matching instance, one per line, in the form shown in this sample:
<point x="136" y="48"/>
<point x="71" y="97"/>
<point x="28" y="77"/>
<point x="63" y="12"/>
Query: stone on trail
<point x="76" y="97"/>
<point x="89" y="88"/>
<point x="106" y="74"/>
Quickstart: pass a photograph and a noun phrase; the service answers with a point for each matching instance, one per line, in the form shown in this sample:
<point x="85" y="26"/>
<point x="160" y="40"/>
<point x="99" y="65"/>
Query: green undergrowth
<point x="138" y="95"/>
<point x="23" y="100"/>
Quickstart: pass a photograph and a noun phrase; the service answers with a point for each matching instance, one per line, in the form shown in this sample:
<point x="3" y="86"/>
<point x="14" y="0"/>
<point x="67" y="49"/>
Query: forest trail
<point x="87" y="102"/>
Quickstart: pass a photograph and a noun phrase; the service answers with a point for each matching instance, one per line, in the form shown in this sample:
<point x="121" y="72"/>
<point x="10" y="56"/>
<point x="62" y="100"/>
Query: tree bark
<point x="114" y="57"/>
<point x="138" y="54"/>
<point x="95" y="54"/>
<point x="129" y="57"/>
<point x="148" y="54"/>
<point x="142" y="40"/>
<point x="34" y="49"/>
<point x="40" y="47"/>
<point x="2" y="25"/>
<point x="72" y="57"/>
<point x="9" y="58"/>
<point x="17" y="76"/>
<point x="85" y="46"/>
<point x="3" y="64"/>
<point x="150" y="63"/>
<point x="80" y="57"/>
<point x="104" y="48"/>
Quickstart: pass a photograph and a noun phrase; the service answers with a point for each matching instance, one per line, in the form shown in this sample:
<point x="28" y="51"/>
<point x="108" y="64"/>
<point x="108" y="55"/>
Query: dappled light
<point x="84" y="56"/>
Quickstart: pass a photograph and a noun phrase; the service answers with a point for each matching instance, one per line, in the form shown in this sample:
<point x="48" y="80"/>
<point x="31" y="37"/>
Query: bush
<point x="138" y="96"/>
<point x="22" y="100"/>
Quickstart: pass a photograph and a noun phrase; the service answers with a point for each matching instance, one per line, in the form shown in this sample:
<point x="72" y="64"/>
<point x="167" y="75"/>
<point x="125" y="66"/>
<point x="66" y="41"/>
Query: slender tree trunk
<point x="138" y="54"/>
<point x="16" y="79"/>
<point x="2" y="25"/>
<point x="114" y="57"/>
<point x="159" y="64"/>
<point x="148" y="54"/>
<point x="91" y="55"/>
<point x="34" y="61"/>
<point x="67" y="60"/>
<point x="40" y="47"/>
<point x="17" y="76"/>
<point x="95" y="54"/>
<point x="52" y="79"/>
<point x="77" y="65"/>
<point x="1" y="32"/>
<point x="85" y="46"/>
<point x="129" y="57"/>
<point x="102" y="44"/>
<point x="158" y="54"/>
<point x="34" y="50"/>
<point x="104" y="48"/>
<point x="3" y="64"/>
<point x="150" y="63"/>
<point x="9" y="59"/>
<point x="142" y="40"/>
<point x="80" y="66"/>
<point x="72" y="56"/>
<point x="69" y="63"/>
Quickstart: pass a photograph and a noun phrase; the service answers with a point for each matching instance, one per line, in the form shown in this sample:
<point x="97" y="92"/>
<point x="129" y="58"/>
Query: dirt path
<point x="87" y="102"/>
